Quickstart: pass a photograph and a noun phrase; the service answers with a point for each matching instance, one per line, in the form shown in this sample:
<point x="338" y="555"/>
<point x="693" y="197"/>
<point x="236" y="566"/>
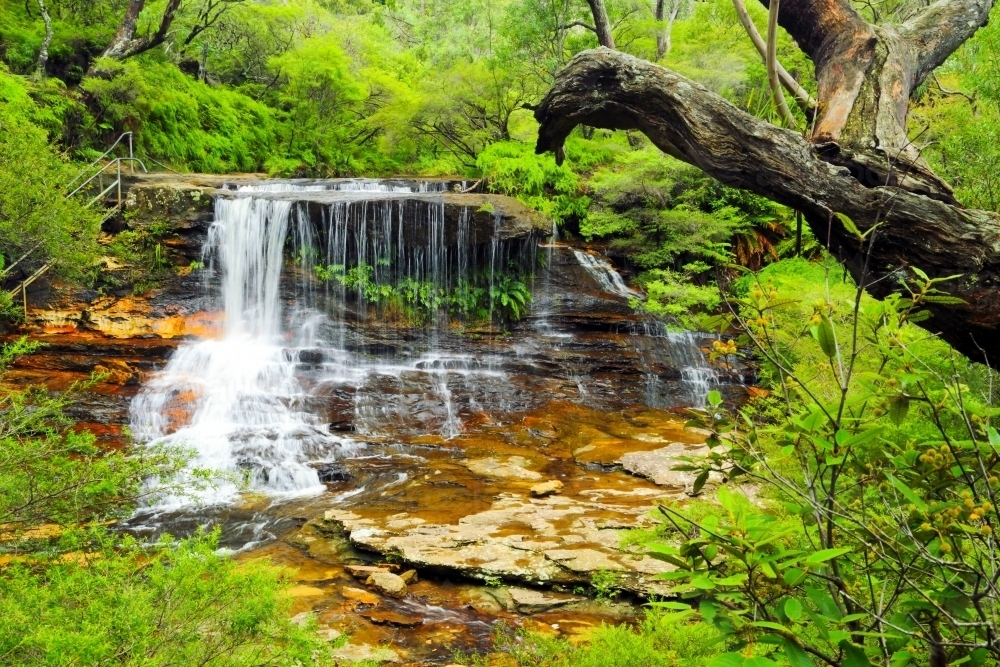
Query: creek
<point x="389" y="407"/>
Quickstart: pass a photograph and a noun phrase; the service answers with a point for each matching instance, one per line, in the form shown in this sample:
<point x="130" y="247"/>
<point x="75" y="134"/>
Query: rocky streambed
<point x="485" y="473"/>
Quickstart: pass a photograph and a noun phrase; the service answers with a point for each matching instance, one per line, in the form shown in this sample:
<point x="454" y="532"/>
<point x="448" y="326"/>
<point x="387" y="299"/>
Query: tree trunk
<point x="126" y="44"/>
<point x="608" y="89"/>
<point x="43" y="53"/>
<point x="601" y="23"/>
<point x="665" y="25"/>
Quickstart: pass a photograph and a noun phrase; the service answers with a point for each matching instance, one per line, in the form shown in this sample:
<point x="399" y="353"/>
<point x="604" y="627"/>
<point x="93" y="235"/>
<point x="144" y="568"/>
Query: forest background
<point x="327" y="88"/>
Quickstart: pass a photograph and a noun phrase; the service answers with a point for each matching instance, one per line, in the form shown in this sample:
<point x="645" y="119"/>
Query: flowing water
<point x="256" y="402"/>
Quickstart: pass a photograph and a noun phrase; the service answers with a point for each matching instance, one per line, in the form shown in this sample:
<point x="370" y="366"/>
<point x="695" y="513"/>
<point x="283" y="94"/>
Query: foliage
<point x="178" y="120"/>
<point x="501" y="298"/>
<point x="34" y="212"/>
<point x="660" y="640"/>
<point x="73" y="592"/>
<point x="882" y="465"/>
<point x="123" y="602"/>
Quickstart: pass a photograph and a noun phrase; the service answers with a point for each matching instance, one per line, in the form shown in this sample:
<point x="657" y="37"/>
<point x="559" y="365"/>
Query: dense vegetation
<point x="871" y="540"/>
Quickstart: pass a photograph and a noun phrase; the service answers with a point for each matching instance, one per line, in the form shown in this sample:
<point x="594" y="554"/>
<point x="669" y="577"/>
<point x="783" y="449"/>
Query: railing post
<point x="131" y="166"/>
<point x="24" y="299"/>
<point x="120" y="180"/>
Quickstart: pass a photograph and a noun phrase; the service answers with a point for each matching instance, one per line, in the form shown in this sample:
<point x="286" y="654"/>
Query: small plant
<point x="605" y="584"/>
<point x="493" y="582"/>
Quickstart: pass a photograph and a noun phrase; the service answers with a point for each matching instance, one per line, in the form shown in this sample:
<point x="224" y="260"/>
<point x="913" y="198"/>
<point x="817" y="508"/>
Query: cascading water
<point x="247" y="403"/>
<point x="605" y="274"/>
<point x="657" y="345"/>
<point x="341" y="300"/>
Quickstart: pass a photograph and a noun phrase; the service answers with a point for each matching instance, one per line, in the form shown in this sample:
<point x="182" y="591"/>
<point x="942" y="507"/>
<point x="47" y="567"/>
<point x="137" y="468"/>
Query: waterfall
<point x="359" y="311"/>
<point x="605" y="275"/>
<point x="659" y="347"/>
<point x="253" y="404"/>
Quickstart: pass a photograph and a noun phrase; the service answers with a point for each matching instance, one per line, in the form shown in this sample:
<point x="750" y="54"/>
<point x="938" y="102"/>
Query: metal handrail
<point x="131" y="159"/>
<point x="87" y="169"/>
<point x="118" y="161"/>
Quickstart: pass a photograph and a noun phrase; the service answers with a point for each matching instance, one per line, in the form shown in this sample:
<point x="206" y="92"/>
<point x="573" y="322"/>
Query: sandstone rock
<point x="365" y="571"/>
<point x="365" y="653"/>
<point x="410" y="576"/>
<point x="541" y="542"/>
<point x="388" y="583"/>
<point x="512" y="468"/>
<point x="359" y="595"/>
<point x="584" y="560"/>
<point x="529" y="601"/>
<point x="546" y="488"/>
<point x="658" y="466"/>
<point x="393" y="618"/>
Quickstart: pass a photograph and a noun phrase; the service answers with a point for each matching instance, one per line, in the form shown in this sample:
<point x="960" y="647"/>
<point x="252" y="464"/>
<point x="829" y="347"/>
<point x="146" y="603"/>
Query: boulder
<point x="365" y="571"/>
<point x="387" y="583"/>
<point x="410" y="576"/>
<point x="513" y="468"/>
<point x="393" y="618"/>
<point x="658" y="466"/>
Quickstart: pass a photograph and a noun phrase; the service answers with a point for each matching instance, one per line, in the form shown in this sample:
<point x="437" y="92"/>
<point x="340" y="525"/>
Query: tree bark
<point x="126" y="44"/>
<point x="607" y="89"/>
<point x="866" y="75"/>
<point x="43" y="53"/>
<point x="602" y="26"/>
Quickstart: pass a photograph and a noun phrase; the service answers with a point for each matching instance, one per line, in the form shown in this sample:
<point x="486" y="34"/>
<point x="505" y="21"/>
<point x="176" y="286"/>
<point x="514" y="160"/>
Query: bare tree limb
<point x="126" y="44"/>
<point x="772" y="65"/>
<point x="941" y="28"/>
<point x="602" y="25"/>
<point x="801" y="95"/>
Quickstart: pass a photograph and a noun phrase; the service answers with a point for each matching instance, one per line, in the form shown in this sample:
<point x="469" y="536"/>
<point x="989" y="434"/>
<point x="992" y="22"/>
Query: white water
<point x="656" y="342"/>
<point x="605" y="275"/>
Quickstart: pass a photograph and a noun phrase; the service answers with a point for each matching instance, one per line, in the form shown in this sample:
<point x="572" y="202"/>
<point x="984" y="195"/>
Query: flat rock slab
<point x="514" y="468"/>
<point x="658" y="466"/>
<point x="393" y="618"/>
<point x="537" y="541"/>
<point x="530" y="601"/>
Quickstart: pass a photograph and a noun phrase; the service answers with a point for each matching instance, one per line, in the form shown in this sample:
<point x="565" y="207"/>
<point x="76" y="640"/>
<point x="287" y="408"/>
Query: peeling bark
<point x="607" y="89"/>
<point x="866" y="75"/>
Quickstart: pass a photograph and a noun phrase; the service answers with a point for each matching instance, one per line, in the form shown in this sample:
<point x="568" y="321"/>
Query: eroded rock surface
<point x="542" y="541"/>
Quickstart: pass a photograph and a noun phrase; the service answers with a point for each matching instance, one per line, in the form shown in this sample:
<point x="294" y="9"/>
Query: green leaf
<point x="728" y="660"/>
<point x="699" y="481"/>
<point x="825" y="555"/>
<point x="793" y="609"/>
<point x="908" y="493"/>
<point x="850" y="226"/>
<point x="824" y="335"/>
<point x="854" y="655"/>
<point x="898" y="409"/>
<point x="714" y="398"/>
<point x="796" y="656"/>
